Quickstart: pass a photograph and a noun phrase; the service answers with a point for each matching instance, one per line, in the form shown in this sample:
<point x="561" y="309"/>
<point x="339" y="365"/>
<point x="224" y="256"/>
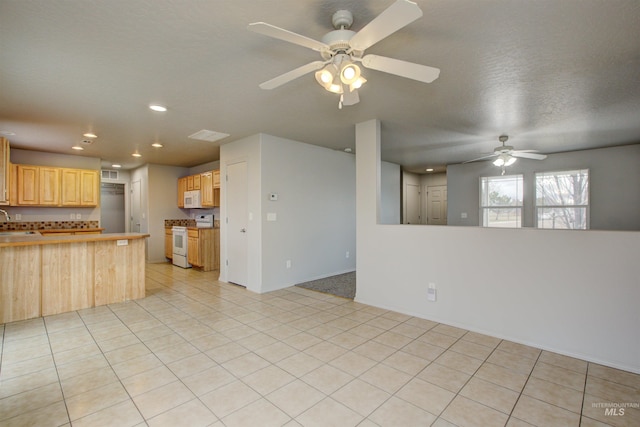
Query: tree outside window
<point x="562" y="199"/>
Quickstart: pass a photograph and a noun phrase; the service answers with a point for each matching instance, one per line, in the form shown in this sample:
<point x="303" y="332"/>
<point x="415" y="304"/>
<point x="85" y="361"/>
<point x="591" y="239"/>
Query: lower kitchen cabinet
<point x="203" y="248"/>
<point x="168" y="243"/>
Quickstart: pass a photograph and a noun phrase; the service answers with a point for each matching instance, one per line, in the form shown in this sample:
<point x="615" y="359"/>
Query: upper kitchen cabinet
<point x="37" y="186"/>
<point x="206" y="179"/>
<point x="208" y="183"/>
<point x="182" y="187"/>
<point x="193" y="182"/>
<point x="80" y="187"/>
<point x="51" y="186"/>
<point x="4" y="171"/>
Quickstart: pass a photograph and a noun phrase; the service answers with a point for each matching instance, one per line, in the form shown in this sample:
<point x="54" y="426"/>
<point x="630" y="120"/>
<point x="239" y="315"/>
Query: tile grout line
<point x="523" y="387"/>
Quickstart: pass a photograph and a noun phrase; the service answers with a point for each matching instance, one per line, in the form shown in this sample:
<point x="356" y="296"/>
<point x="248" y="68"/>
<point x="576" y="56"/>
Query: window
<point x="501" y="201"/>
<point x="562" y="199"/>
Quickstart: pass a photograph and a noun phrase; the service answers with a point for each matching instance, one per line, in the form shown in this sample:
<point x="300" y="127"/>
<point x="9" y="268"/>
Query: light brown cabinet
<point x="27" y="185"/>
<point x="216" y="188"/>
<point x="207" y="189"/>
<point x="37" y="186"/>
<point x="51" y="186"/>
<point x="168" y="243"/>
<point x="80" y="187"/>
<point x="207" y="182"/>
<point x="193" y="182"/>
<point x="182" y="187"/>
<point x="4" y="171"/>
<point x="194" y="254"/>
<point x="203" y="248"/>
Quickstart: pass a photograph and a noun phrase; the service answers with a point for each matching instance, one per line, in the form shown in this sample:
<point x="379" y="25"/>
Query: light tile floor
<point x="197" y="352"/>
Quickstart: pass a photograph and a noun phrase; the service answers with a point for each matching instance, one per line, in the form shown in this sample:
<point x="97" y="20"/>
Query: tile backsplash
<point x="180" y="222"/>
<point x="48" y="225"/>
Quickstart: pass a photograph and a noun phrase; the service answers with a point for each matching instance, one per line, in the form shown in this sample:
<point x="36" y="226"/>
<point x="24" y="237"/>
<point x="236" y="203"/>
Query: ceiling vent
<point x="208" y="135"/>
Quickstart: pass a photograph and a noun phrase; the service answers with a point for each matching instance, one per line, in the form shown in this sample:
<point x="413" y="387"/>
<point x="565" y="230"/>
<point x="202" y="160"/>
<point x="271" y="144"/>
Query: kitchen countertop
<point x="38" y="239"/>
<point x="72" y="230"/>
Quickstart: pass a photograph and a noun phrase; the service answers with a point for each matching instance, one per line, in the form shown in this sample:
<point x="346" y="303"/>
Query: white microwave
<point x="192" y="199"/>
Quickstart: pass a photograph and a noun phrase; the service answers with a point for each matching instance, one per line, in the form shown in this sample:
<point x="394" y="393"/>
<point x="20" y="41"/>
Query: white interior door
<point x="136" y="207"/>
<point x="437" y="205"/>
<point x="412" y="204"/>
<point x="237" y="196"/>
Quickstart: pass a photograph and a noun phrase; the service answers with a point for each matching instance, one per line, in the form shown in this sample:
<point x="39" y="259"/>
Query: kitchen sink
<point x="19" y="233"/>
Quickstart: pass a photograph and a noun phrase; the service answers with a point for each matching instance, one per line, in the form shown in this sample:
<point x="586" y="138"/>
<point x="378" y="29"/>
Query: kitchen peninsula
<point x="45" y="275"/>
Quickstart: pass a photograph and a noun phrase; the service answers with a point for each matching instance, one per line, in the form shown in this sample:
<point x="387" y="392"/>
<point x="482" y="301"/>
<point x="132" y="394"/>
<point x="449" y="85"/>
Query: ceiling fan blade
<point x="421" y="73"/>
<point x="286" y="35"/>
<point x="488" y="156"/>
<point x="350" y="97"/>
<point x="396" y="16"/>
<point x="292" y="75"/>
<point x="526" y="155"/>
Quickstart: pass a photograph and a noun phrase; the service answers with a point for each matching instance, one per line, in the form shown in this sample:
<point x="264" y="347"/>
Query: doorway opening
<point x="112" y="207"/>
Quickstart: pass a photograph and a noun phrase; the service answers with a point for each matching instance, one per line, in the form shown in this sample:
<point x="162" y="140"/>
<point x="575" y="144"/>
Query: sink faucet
<point x="6" y="215"/>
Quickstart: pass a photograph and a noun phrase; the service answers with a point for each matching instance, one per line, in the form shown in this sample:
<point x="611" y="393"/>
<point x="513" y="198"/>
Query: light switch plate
<point x="271" y="216"/>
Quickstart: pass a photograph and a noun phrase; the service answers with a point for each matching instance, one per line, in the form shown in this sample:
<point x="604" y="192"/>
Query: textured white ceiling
<point x="555" y="75"/>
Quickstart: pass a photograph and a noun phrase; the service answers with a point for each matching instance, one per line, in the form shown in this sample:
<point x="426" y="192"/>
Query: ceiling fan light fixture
<point x="334" y="88"/>
<point x="326" y="76"/>
<point x="350" y="73"/>
<point x="357" y="84"/>
<point x="504" y="160"/>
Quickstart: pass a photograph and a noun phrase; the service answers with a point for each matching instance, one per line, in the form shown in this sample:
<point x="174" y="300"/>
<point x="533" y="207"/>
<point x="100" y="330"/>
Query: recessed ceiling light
<point x="136" y="154"/>
<point x="115" y="165"/>
<point x="159" y="108"/>
<point x="157" y="145"/>
<point x="89" y="135"/>
<point x="429" y="169"/>
<point x="77" y="147"/>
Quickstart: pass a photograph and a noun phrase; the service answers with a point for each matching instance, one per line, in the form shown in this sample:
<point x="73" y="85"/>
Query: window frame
<point x="587" y="206"/>
<point x="483" y="208"/>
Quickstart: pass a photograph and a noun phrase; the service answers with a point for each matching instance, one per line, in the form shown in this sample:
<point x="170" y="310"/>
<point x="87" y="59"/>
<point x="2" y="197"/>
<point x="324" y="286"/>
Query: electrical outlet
<point x="72" y="216"/>
<point x="78" y="216"/>
<point x="288" y="263"/>
<point x="347" y="255"/>
<point x="18" y="217"/>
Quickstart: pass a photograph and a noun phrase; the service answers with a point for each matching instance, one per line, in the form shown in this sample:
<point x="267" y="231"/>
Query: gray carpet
<point x="342" y="285"/>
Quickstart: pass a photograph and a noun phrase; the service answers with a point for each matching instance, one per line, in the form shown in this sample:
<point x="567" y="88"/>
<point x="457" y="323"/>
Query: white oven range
<point x="180" y="239"/>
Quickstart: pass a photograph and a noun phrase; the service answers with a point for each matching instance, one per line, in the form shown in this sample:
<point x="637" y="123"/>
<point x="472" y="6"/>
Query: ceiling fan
<point x="342" y="50"/>
<point x="505" y="155"/>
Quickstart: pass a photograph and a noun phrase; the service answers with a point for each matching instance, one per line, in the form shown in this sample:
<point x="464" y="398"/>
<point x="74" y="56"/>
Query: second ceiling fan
<point x="506" y="155"/>
<point x="342" y="50"/>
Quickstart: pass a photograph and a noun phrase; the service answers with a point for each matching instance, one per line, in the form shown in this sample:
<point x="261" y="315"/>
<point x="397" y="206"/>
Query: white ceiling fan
<point x="505" y="155"/>
<point x="342" y="49"/>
